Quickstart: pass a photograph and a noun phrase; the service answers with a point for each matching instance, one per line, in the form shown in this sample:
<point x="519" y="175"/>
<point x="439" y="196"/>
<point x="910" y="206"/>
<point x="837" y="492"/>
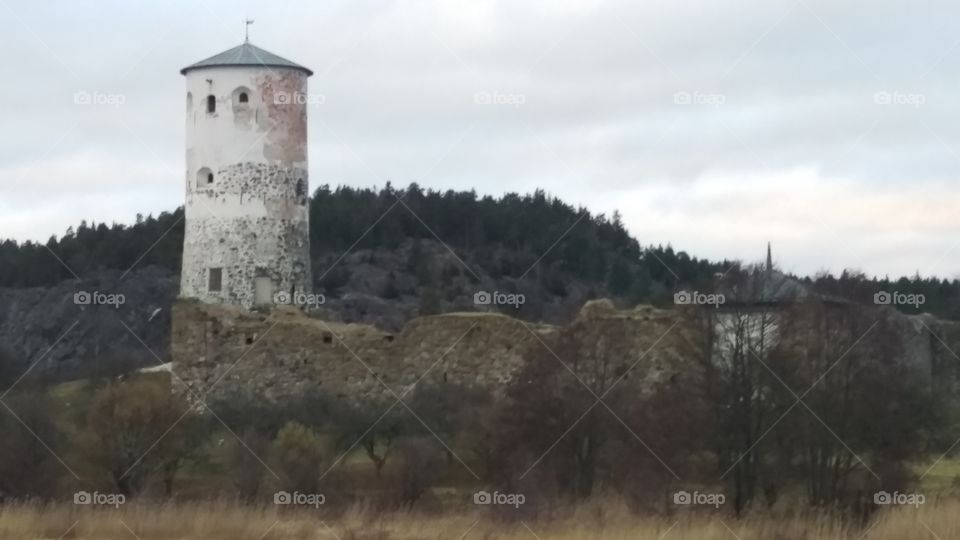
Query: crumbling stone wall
<point x="225" y="350"/>
<point x="283" y="353"/>
<point x="933" y="346"/>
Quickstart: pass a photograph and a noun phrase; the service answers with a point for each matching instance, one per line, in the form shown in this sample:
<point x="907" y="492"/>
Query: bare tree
<point x="863" y="408"/>
<point x="571" y="399"/>
<point x="138" y="430"/>
<point x="731" y="345"/>
<point x="377" y="427"/>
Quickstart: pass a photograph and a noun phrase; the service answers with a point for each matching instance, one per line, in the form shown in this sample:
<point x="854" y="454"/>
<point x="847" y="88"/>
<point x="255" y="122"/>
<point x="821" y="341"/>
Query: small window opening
<point x="327" y="338"/>
<point x="211" y="104"/>
<point x="216" y="279"/>
<point x="204" y="177"/>
<point x="243" y="97"/>
<point x="388" y="338"/>
<point x="301" y="188"/>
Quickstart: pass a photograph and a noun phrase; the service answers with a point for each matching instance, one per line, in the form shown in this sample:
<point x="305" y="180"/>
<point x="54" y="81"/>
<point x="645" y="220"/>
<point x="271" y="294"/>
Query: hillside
<point x="379" y="257"/>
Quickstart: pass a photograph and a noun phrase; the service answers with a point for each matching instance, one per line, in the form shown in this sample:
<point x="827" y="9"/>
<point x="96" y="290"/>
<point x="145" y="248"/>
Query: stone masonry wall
<point x="224" y="349"/>
<point x="247" y="186"/>
<point x="219" y="350"/>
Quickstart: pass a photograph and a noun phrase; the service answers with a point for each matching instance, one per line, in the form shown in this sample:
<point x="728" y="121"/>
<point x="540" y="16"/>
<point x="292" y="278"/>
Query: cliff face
<point x="64" y="331"/>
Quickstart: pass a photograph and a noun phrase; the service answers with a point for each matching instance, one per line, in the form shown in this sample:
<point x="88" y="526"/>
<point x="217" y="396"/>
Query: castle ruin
<point x="283" y="353"/>
<point x="239" y="327"/>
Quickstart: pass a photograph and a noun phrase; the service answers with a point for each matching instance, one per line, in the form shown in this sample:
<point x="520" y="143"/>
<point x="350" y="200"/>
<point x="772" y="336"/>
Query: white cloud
<point x="798" y="152"/>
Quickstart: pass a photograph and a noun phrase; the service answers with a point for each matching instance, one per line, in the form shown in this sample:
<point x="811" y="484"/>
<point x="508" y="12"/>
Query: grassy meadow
<point x="609" y="521"/>
<point x="197" y="510"/>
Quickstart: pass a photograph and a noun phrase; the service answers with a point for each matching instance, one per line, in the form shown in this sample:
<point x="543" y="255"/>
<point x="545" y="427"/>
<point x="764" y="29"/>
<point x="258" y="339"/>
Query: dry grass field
<point x="221" y="521"/>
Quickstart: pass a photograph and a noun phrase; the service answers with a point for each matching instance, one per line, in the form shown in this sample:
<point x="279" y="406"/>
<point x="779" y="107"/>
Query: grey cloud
<point x="599" y="123"/>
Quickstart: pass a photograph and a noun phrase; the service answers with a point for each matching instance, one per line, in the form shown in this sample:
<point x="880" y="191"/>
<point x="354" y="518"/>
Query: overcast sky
<point x="829" y="128"/>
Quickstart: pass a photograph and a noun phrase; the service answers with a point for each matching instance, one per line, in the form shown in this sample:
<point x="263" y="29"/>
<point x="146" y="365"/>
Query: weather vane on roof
<point x="246" y="30"/>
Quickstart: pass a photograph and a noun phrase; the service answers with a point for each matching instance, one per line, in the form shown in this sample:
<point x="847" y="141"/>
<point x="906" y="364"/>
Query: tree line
<point x="504" y="236"/>
<point x="815" y="404"/>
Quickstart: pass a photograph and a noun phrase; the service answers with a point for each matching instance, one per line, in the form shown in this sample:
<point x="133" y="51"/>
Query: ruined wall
<point x="283" y="353"/>
<point x="246" y="185"/>
<point x="926" y="345"/>
<point x="933" y="346"/>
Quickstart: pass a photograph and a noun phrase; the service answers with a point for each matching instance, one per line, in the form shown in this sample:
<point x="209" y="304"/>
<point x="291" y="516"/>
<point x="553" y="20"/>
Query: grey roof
<point x="246" y="55"/>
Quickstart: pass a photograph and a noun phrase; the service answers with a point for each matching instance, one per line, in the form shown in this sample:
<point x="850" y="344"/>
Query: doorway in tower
<point x="262" y="291"/>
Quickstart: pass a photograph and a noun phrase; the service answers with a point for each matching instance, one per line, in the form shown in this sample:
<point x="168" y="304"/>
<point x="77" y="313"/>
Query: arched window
<point x="240" y="102"/>
<point x="204" y="177"/>
<point x="189" y="101"/>
<point x="211" y="104"/>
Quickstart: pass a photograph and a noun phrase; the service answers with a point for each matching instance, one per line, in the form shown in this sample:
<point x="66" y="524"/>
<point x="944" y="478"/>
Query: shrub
<point x="138" y="430"/>
<point x="28" y="466"/>
<point x="299" y="456"/>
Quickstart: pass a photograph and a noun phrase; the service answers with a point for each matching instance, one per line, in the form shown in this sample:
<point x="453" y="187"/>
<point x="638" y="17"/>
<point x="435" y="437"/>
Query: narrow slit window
<point x="211" y="104"/>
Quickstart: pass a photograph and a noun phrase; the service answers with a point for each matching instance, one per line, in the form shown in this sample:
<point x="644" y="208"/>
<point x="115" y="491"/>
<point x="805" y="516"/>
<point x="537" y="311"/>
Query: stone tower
<point x="246" y="238"/>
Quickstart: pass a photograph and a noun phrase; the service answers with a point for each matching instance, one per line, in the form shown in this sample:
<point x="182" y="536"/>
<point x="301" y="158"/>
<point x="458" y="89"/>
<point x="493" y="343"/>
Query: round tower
<point x="246" y="237"/>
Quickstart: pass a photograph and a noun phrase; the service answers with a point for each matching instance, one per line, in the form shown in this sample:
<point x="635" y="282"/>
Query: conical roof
<point x="246" y="54"/>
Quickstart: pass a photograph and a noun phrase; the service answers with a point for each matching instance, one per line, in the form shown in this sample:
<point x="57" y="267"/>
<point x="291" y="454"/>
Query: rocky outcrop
<point x="109" y="322"/>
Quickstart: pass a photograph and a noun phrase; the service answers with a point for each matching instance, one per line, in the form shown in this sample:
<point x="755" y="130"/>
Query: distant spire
<point x="769" y="258"/>
<point x="246" y="30"/>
